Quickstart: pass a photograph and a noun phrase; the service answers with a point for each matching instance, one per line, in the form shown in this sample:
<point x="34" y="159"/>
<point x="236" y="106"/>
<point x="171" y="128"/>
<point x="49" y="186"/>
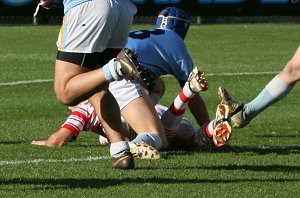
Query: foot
<point x="238" y="120"/>
<point x="236" y="109"/>
<point x="125" y="161"/>
<point x="143" y="151"/>
<point x="197" y="81"/>
<point x="222" y="130"/>
<point x="128" y="61"/>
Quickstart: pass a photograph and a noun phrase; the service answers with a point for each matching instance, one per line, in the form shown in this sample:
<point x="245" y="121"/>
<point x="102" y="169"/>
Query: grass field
<point x="263" y="159"/>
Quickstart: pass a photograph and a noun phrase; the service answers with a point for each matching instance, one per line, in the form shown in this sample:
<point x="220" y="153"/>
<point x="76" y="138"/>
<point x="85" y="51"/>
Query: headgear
<point x="174" y="19"/>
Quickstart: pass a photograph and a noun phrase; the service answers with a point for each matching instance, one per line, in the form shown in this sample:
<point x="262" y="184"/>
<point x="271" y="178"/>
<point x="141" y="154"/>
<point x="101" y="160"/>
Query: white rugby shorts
<point x="126" y="91"/>
<point x="96" y="25"/>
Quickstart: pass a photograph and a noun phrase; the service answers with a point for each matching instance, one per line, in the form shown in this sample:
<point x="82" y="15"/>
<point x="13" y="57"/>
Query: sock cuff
<point x="106" y="71"/>
<point x="277" y="86"/>
<point x="112" y="70"/>
<point x="187" y="91"/>
<point x="175" y="111"/>
<point x="206" y="130"/>
<point x="118" y="148"/>
<point x="150" y="138"/>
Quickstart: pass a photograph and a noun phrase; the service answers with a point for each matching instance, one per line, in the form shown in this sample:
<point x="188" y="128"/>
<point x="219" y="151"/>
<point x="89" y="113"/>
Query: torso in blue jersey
<point x="162" y="51"/>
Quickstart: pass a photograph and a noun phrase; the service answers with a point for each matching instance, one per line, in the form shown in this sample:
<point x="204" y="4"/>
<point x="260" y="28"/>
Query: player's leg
<point x="109" y="117"/>
<point x="137" y="111"/>
<point x="76" y="81"/>
<point x="217" y="130"/>
<point x="279" y="87"/>
<point x="88" y="33"/>
<point x="143" y="119"/>
<point x="172" y="117"/>
<point x="291" y="72"/>
<point x="86" y="40"/>
<point x="158" y="91"/>
<point x="73" y="83"/>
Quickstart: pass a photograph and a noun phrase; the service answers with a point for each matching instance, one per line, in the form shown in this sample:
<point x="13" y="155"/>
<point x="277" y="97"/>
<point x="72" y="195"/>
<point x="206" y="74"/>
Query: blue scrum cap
<point x="174" y="19"/>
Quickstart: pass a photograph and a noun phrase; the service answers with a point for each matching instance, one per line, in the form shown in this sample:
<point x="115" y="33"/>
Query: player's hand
<point x="47" y="4"/>
<point x="39" y="143"/>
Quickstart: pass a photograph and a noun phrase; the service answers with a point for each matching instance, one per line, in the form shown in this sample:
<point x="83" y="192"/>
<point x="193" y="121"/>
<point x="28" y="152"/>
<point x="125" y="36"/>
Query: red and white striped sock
<point x="209" y="129"/>
<point x="172" y="117"/>
<point x="206" y="134"/>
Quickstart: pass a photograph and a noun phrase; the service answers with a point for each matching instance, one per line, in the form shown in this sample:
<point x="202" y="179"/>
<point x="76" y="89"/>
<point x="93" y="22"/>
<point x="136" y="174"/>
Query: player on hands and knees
<point x="162" y="51"/>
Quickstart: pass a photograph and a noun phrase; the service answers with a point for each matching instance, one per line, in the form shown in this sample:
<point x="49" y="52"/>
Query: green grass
<point x="262" y="160"/>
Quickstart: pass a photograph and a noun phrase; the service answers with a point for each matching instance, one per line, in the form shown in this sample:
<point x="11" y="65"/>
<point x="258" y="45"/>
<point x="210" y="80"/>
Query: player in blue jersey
<point x="162" y="51"/>
<point x="90" y="56"/>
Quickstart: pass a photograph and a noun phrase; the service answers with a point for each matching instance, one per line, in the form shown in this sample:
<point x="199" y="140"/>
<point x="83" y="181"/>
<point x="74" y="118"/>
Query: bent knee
<point x="64" y="99"/>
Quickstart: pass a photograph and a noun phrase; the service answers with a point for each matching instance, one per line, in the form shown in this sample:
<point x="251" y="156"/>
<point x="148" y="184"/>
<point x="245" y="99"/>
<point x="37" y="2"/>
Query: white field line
<point x="25" y="82"/>
<point x="244" y="74"/>
<point x="212" y="74"/>
<point x="39" y="161"/>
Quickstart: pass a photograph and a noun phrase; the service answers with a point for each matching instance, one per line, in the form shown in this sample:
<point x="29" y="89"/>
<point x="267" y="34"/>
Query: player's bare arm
<point x="57" y="139"/>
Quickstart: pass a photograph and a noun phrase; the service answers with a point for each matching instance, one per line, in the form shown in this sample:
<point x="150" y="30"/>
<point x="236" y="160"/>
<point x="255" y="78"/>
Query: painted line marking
<point x="216" y="74"/>
<point x="243" y="74"/>
<point x="26" y="82"/>
<point x="39" y="161"/>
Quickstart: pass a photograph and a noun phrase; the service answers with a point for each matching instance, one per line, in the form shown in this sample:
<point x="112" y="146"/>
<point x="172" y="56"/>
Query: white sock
<point x="118" y="148"/>
<point x="274" y="91"/>
<point x="112" y="71"/>
<point x="150" y="138"/>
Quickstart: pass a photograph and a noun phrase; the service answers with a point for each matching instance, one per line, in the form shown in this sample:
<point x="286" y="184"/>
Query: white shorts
<point x="126" y="91"/>
<point x="96" y="25"/>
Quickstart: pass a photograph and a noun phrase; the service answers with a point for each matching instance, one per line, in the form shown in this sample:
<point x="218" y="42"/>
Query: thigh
<point x="64" y="71"/>
<point x="141" y="116"/>
<point x="184" y="138"/>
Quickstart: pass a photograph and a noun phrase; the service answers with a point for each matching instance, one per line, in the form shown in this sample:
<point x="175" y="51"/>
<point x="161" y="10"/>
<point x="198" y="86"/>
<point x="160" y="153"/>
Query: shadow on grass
<point x="255" y="168"/>
<point x="103" y="183"/>
<point x="283" y="150"/>
<point x="263" y="150"/>
<point x="278" y="136"/>
<point x="12" y="142"/>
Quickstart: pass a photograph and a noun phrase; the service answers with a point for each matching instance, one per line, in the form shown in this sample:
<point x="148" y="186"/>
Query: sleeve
<point x="77" y="120"/>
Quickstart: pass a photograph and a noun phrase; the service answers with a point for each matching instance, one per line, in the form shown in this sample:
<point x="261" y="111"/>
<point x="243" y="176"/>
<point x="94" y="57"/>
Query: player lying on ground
<point x="184" y="135"/>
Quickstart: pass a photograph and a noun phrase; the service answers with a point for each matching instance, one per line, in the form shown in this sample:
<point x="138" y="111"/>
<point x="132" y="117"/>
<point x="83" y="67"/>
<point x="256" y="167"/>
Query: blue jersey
<point x="162" y="51"/>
